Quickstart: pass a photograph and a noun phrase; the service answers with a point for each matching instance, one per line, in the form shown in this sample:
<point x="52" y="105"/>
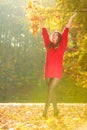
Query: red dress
<point x="54" y="57"/>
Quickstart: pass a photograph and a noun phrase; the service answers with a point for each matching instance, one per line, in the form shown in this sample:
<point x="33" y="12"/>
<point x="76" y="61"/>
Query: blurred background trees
<point x="22" y="54"/>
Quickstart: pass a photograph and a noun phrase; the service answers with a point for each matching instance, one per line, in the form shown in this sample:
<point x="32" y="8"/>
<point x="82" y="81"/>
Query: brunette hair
<point x="51" y="43"/>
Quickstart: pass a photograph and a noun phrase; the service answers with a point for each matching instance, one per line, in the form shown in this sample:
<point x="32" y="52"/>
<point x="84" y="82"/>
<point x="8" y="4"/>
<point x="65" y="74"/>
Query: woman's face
<point x="55" y="38"/>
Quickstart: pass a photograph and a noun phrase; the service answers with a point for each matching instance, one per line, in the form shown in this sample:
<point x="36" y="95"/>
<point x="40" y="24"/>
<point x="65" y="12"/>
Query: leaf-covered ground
<point x="19" y="116"/>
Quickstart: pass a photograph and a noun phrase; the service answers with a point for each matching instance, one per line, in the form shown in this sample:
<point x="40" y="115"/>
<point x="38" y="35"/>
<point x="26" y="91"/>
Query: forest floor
<point x="28" y="116"/>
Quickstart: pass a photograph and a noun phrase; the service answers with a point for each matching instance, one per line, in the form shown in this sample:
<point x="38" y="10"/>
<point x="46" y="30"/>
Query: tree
<point x="55" y="17"/>
<point x="18" y="49"/>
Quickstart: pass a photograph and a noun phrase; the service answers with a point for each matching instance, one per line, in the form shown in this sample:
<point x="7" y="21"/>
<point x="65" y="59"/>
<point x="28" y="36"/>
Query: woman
<point x="55" y="46"/>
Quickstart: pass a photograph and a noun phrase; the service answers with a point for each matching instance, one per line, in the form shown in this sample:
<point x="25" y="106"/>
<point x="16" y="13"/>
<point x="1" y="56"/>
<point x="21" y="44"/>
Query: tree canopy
<point x="55" y="15"/>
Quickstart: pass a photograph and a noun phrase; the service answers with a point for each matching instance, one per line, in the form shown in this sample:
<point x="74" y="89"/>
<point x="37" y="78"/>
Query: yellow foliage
<point x="29" y="3"/>
<point x="55" y="17"/>
<point x="36" y="11"/>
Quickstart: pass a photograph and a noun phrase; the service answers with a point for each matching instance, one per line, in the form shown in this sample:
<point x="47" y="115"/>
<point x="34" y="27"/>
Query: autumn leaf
<point x="27" y="116"/>
<point x="29" y="4"/>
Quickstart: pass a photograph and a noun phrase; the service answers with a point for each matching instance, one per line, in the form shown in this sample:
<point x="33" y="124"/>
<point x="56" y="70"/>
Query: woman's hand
<point x="41" y="22"/>
<point x="74" y="15"/>
<point x="70" y="20"/>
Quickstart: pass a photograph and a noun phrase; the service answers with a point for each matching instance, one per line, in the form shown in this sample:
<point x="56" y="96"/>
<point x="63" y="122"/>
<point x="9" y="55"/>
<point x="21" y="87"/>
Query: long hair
<point x="51" y="44"/>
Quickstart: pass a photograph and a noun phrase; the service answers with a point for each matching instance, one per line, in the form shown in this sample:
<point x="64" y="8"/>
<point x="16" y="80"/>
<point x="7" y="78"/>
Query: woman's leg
<point x="52" y="83"/>
<point x="52" y="94"/>
<point x="48" y="81"/>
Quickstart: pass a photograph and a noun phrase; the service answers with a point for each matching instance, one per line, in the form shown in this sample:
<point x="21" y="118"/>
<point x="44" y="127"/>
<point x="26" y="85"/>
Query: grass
<point x="66" y="91"/>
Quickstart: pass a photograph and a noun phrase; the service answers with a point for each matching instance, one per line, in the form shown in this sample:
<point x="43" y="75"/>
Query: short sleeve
<point x="45" y="37"/>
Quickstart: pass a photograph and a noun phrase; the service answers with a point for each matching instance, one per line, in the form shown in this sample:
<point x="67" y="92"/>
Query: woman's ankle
<point x="56" y="112"/>
<point x="45" y="113"/>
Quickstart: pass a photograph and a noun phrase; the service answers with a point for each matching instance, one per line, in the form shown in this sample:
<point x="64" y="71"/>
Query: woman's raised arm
<point x="45" y="33"/>
<point x="70" y="20"/>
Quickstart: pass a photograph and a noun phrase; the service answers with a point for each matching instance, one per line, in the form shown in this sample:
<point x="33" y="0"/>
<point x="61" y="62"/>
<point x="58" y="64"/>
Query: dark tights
<point x="52" y="83"/>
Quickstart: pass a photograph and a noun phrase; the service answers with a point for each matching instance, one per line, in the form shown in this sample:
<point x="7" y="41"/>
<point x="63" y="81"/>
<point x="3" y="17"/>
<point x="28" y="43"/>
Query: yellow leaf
<point x="29" y="3"/>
